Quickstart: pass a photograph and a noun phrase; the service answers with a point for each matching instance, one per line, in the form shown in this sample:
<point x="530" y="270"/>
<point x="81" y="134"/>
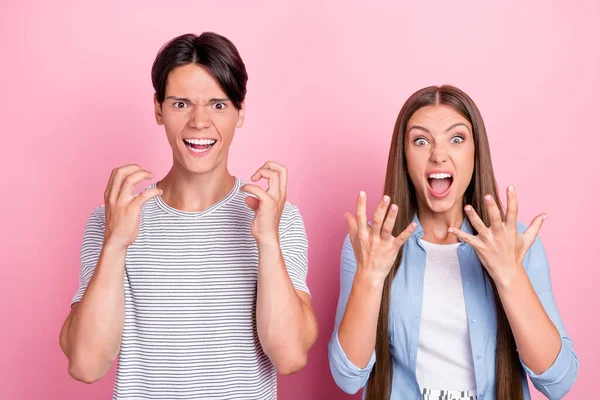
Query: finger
<point x="512" y="207"/>
<point x="475" y="220"/>
<point x="257" y="192"/>
<point x="119" y="176"/>
<point x="252" y="202"/>
<point x="534" y="228"/>
<point x="283" y="174"/>
<point x="109" y="185"/>
<point x="126" y="193"/>
<point x="404" y="235"/>
<point x="361" y="215"/>
<point x="352" y="226"/>
<point x="379" y="216"/>
<point x="465" y="237"/>
<point x="146" y="195"/>
<point x="272" y="178"/>
<point x="390" y="222"/>
<point x="493" y="212"/>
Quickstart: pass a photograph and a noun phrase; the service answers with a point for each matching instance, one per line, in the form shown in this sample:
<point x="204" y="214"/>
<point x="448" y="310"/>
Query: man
<point x="197" y="284"/>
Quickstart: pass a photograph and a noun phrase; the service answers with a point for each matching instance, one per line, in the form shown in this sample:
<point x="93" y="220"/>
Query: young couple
<point x="198" y="284"/>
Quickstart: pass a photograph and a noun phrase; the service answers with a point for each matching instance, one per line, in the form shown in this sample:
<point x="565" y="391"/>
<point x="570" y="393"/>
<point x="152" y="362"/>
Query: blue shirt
<point x="406" y="299"/>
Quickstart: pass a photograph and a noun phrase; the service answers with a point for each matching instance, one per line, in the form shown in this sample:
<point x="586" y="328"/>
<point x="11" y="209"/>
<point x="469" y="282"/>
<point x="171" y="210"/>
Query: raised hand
<point x="122" y="208"/>
<point x="374" y="246"/>
<point x="500" y="247"/>
<point x="267" y="204"/>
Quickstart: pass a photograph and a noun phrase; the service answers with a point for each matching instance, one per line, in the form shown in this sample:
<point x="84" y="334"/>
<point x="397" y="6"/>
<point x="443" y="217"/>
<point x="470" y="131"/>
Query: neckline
<point x="437" y="246"/>
<point x="196" y="214"/>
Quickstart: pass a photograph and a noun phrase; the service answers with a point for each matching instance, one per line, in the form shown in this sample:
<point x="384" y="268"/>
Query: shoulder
<point x="97" y="217"/>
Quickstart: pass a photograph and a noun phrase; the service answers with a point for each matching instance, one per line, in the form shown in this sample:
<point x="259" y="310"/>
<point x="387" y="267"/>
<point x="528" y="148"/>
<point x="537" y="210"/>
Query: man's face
<point x="199" y="119"/>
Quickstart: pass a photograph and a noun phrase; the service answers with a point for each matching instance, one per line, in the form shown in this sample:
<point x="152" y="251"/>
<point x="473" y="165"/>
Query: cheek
<point x="464" y="162"/>
<point x="415" y="165"/>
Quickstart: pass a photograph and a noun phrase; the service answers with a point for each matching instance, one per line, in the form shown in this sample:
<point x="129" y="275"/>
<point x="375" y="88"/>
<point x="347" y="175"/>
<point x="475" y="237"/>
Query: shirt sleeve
<point x="91" y="246"/>
<point x="294" y="246"/>
<point x="348" y="376"/>
<point x="558" y="379"/>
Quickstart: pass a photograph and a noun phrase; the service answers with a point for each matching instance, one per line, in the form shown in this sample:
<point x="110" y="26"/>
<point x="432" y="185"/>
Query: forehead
<point x="437" y="118"/>
<point x="192" y="80"/>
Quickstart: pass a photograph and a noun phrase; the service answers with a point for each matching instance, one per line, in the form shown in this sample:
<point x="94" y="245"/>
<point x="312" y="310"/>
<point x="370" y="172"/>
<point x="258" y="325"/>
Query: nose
<point x="199" y="118"/>
<point x="439" y="154"/>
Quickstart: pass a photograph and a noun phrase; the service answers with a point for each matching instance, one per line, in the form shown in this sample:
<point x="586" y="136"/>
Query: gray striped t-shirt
<point x="190" y="297"/>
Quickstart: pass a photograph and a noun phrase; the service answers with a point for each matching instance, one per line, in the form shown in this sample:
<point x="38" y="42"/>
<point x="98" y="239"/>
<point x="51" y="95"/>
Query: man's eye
<point x="220" y="106"/>
<point x="179" y="104"/>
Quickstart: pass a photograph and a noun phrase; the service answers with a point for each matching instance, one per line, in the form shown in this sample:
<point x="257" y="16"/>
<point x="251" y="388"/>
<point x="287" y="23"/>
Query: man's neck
<point x="192" y="192"/>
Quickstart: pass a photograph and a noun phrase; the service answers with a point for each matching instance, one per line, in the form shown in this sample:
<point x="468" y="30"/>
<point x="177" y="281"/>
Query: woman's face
<point x="440" y="156"/>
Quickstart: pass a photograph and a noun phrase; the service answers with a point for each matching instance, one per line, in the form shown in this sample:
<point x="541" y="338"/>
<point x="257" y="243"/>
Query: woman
<point x="443" y="295"/>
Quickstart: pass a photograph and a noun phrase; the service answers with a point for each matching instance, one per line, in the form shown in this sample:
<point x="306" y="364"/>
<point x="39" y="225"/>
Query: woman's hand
<point x="374" y="246"/>
<point x="500" y="247"/>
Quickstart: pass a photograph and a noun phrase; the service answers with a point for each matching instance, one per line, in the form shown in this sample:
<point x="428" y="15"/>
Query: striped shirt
<point x="190" y="300"/>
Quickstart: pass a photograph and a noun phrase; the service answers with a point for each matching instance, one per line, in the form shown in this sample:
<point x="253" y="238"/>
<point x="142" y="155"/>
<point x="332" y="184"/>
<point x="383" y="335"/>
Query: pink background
<point x="326" y="83"/>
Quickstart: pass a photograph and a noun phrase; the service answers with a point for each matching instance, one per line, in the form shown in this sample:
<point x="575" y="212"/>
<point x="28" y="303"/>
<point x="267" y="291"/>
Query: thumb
<point x="146" y="195"/>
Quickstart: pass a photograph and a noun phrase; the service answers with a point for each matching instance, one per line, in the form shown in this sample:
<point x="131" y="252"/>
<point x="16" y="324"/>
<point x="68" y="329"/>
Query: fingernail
<point x="545" y="216"/>
<point x="450" y="230"/>
<point x="394" y="207"/>
<point x="413" y="224"/>
<point x="362" y="194"/>
<point x="511" y="188"/>
<point x="345" y="216"/>
<point x="488" y="197"/>
<point x="468" y="208"/>
<point x="386" y="199"/>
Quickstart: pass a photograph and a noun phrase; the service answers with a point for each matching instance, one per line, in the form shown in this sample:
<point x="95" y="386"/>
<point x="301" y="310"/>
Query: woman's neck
<point x="193" y="192"/>
<point x="435" y="225"/>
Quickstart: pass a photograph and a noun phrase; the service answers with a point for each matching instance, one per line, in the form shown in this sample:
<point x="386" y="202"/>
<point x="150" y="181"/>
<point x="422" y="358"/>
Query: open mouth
<point x="199" y="146"/>
<point x="439" y="183"/>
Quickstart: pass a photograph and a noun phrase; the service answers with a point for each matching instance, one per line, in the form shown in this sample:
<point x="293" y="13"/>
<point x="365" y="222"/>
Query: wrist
<point x="511" y="277"/>
<point x="369" y="280"/>
<point x="112" y="244"/>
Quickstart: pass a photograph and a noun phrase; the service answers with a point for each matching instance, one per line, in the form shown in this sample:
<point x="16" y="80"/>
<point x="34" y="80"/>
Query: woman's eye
<point x="421" y="142"/>
<point x="457" y="139"/>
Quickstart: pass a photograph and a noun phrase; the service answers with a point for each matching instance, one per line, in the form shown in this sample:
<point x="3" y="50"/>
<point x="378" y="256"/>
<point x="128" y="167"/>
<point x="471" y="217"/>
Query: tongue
<point x="440" y="185"/>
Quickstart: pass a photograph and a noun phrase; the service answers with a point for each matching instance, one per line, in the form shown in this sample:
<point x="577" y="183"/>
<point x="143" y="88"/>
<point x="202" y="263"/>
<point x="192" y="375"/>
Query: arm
<point x="545" y="350"/>
<point x="367" y="257"/>
<point x="91" y="334"/>
<point x="285" y="320"/>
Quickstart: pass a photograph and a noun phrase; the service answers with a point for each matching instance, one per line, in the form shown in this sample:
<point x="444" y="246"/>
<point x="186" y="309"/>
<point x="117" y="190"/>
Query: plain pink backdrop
<point x="326" y="83"/>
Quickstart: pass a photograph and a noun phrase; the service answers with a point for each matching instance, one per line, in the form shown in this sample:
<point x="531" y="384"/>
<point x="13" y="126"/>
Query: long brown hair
<point x="402" y="192"/>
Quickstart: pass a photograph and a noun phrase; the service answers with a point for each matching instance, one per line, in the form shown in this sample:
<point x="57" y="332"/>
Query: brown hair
<point x="214" y="52"/>
<point x="402" y="192"/>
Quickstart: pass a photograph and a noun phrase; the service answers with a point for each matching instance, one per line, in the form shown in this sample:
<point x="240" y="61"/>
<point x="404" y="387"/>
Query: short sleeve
<point x="91" y="247"/>
<point x="294" y="246"/>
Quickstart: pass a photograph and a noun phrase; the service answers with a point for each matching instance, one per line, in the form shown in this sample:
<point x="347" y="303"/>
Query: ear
<point x="241" y="115"/>
<point x="158" y="111"/>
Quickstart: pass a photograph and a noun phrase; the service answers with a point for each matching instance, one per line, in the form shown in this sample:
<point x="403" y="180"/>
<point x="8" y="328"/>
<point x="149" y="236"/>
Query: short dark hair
<point x="214" y="52"/>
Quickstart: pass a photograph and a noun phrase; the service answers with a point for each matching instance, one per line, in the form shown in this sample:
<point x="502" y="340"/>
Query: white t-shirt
<point x="190" y="300"/>
<point x="444" y="357"/>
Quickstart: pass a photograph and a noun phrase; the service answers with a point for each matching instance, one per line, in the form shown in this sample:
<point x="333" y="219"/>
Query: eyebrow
<point x="214" y="100"/>
<point x="447" y="130"/>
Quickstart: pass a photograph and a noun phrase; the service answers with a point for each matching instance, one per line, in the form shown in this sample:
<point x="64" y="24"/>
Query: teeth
<point x="197" y="150"/>
<point x="440" y="176"/>
<point x="200" y="141"/>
